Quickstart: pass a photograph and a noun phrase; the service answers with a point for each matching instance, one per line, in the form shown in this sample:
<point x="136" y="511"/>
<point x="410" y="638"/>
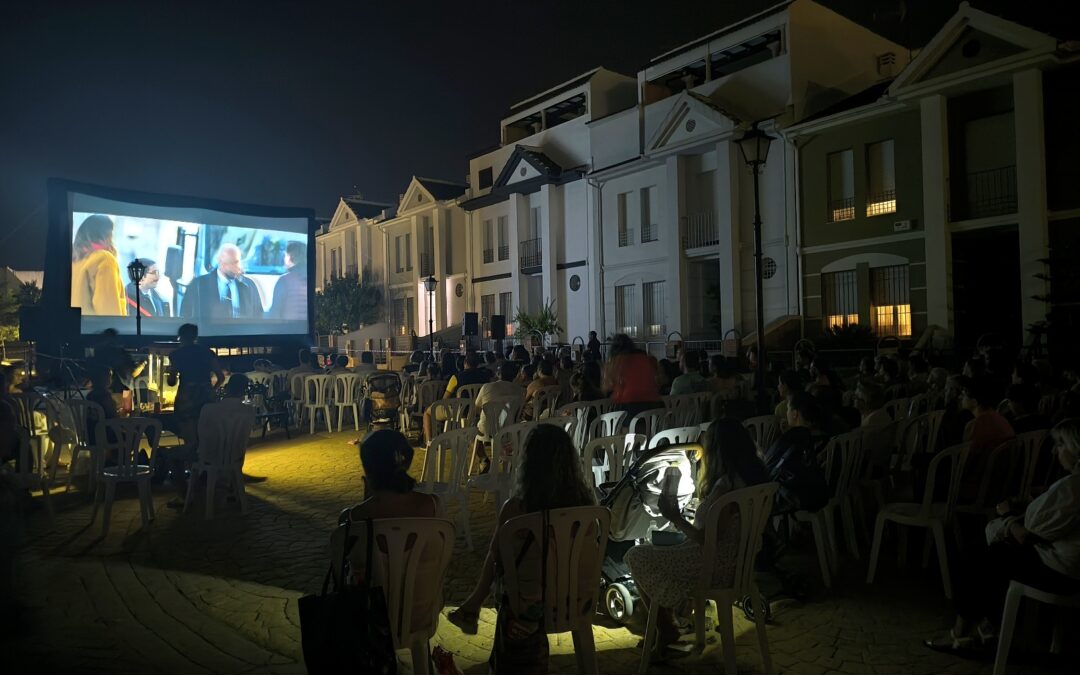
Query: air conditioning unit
<point x="902" y="226"/>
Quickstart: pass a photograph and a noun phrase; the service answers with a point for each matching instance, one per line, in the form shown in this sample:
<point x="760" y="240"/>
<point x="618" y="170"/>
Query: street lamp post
<point x="430" y="285"/>
<point x="754" y="146"/>
<point x="136" y="271"/>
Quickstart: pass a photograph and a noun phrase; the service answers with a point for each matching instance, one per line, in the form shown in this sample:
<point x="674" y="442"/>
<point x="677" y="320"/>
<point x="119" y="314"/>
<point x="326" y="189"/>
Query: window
<point x="408" y="252"/>
<point x="489" y="239"/>
<point x="410" y="314"/>
<point x="654" y="308"/>
<point x="485" y="178"/>
<point x="534" y="222"/>
<point x="399" y="316"/>
<point x="487" y="310"/>
<point x="448" y="247"/>
<point x="839" y="301"/>
<point x="841" y="167"/>
<point x="626" y="234"/>
<point x="506" y="309"/>
<point x="650" y="231"/>
<point x="397" y="255"/>
<point x="625" y="316"/>
<point x="880" y="179"/>
<point x="504" y="239"/>
<point x="333" y="263"/>
<point x="890" y="303"/>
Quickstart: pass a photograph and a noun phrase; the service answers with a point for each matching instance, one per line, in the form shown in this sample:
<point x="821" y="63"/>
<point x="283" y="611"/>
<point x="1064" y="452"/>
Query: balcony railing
<point x="489" y="255"/>
<point x="881" y="203"/>
<point x="626" y="237"/>
<point x="989" y="193"/>
<point x="841" y="209"/>
<point x="530" y="254"/>
<point x="427" y="264"/>
<point x="650" y="233"/>
<point x="699" y="230"/>
<point x="504" y="252"/>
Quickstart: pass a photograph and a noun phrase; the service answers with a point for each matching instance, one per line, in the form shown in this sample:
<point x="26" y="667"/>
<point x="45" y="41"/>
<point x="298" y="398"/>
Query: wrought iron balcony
<point x="504" y="252"/>
<point x="427" y="264"/>
<point x="626" y="237"/>
<point x="650" y="233"/>
<point x="530" y="254"/>
<point x="489" y="255"/>
<point x="989" y="193"/>
<point x="700" y="230"/>
<point x="841" y="209"/>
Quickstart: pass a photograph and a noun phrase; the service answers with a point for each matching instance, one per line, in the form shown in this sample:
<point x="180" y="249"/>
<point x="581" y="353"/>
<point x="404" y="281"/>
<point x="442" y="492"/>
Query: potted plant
<point x="545" y="322"/>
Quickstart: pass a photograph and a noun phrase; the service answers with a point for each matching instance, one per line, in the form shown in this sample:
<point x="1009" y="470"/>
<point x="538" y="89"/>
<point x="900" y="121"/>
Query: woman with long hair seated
<point x="667" y="575"/>
<point x="547" y="476"/>
<point x="1037" y="544"/>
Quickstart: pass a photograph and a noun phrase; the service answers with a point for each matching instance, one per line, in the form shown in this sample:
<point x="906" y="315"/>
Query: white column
<point x="594" y="237"/>
<point x="935" y="177"/>
<point x="438" y="217"/>
<point x="518" y="219"/>
<point x="551" y="233"/>
<point x="1031" y="192"/>
<point x="728" y="164"/>
<point x="470" y="264"/>
<point x="674" y="209"/>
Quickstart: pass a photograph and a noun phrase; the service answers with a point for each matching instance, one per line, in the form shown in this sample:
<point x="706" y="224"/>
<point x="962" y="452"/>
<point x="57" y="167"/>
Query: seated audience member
<point x="389" y="492"/>
<point x="503" y="387"/>
<point x="547" y="476"/>
<point x="691" y="381"/>
<point x="804" y="434"/>
<point x="826" y="387"/>
<point x="630" y="377"/>
<point x="974" y="367"/>
<point x="341" y="365"/>
<point x="1037" y="545"/>
<point x="1025" y="373"/>
<point x="9" y="423"/>
<point x="937" y="380"/>
<point x="491" y="362"/>
<point x="429" y="371"/>
<point x="520" y="354"/>
<point x="583" y="389"/>
<point x="565" y="372"/>
<point x="888" y="376"/>
<point x="790" y="382"/>
<point x="416" y="362"/>
<point x="918" y="375"/>
<point x="525" y="374"/>
<point x="987" y="430"/>
<point x="448" y="367"/>
<point x="792" y="460"/>
<point x="867" y="368"/>
<point x="544" y="377"/>
<point x="955" y="418"/>
<point x="179" y="458"/>
<point x="1024" y="415"/>
<point x="366" y="365"/>
<point x="729" y="462"/>
<point x="472" y="374"/>
<point x="666" y="372"/>
<point x="304" y="366"/>
<point x="100" y="392"/>
<point x="876" y="423"/>
<point x="724" y="382"/>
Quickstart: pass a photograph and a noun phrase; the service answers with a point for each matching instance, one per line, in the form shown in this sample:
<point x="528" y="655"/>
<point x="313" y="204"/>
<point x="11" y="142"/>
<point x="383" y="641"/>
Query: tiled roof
<point x="442" y="190"/>
<point x="364" y="209"/>
<point x="857" y="100"/>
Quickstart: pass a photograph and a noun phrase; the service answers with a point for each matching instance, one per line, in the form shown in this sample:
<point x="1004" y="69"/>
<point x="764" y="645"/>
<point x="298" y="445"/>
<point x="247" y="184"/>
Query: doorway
<point x="986" y="286"/>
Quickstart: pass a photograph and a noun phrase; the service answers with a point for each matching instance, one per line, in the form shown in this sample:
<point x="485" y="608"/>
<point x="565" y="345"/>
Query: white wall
<point x="614" y="139"/>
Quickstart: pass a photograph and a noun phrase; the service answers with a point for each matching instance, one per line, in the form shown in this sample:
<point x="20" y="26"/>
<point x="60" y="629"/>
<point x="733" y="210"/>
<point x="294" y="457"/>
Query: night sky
<point x="299" y="103"/>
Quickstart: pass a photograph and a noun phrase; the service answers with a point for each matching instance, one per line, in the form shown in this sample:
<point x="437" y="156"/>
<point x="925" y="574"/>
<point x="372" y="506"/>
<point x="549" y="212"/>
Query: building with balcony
<point x="943" y="199"/>
<point x="675" y="200"/>
<point x="531" y="211"/>
<point x="351" y="242"/>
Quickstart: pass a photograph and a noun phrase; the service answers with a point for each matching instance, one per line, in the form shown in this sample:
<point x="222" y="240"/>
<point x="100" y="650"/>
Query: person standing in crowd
<point x="110" y="354"/>
<point x="96" y="285"/>
<point x="224" y="293"/>
<point x="630" y="376"/>
<point x="191" y="369"/>
<point x="290" y="291"/>
<point x="150" y="303"/>
<point x="593" y="346"/>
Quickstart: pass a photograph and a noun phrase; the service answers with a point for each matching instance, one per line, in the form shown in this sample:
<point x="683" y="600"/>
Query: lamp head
<point x="754" y="146"/>
<point x="136" y="270"/>
<point x="430" y="284"/>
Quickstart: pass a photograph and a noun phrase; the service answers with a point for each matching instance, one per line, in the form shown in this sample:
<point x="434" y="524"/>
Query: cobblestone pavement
<point x="194" y="596"/>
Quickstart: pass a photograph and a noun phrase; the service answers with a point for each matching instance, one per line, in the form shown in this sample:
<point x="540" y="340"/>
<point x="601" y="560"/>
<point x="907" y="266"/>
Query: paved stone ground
<point x="194" y="596"/>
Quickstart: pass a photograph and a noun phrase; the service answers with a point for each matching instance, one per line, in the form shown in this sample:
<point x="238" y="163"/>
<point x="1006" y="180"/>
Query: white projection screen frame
<point x="235" y="273"/>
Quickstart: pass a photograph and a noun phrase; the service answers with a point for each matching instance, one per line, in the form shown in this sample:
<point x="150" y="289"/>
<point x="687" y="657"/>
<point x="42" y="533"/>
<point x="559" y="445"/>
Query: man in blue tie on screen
<point x="224" y="293"/>
<point x="151" y="303"/>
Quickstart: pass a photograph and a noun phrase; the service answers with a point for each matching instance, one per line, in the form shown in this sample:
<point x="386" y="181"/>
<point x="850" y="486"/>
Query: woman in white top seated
<point x="1037" y="545"/>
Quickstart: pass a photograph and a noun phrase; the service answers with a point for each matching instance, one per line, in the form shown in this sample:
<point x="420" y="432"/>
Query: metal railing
<point x="699" y="230"/>
<point x="427" y="264"/>
<point x="649" y="233"/>
<point x="989" y="193"/>
<point x="881" y="203"/>
<point x="504" y="252"/>
<point x="841" y="209"/>
<point x="489" y="255"/>
<point x="626" y="237"/>
<point x="530" y="254"/>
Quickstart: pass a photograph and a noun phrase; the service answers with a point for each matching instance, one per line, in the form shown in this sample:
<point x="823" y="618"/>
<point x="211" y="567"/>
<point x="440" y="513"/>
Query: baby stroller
<point x="382" y="398"/>
<point x="635" y="514"/>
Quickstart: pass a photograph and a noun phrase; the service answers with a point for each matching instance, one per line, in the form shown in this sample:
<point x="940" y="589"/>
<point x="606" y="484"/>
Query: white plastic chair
<point x="576" y="541"/>
<point x="754" y="506"/>
<point x="606" y="424"/>
<point x="279" y="382"/>
<point x="497" y="414"/>
<point x="450" y="413"/>
<point x="676" y="436"/>
<point x="316" y="398"/>
<point x="684" y="409"/>
<point x="296" y="394"/>
<point x="223" y="441"/>
<point x="647" y="422"/>
<point x="31" y="475"/>
<point x="1029" y="445"/>
<point x="506" y="444"/>
<point x="764" y="429"/>
<point x="347" y="397"/>
<point x="141" y="393"/>
<point x="86" y="415"/>
<point x="545" y="400"/>
<point x="400" y="568"/>
<point x="468" y="390"/>
<point x="929" y="514"/>
<point x="444" y="472"/>
<point x="617" y="452"/>
<point x="261" y="378"/>
<point x="1017" y="592"/>
<point x="582" y="412"/>
<point x="126" y="434"/>
<point x="426" y="393"/>
<point x="897" y="408"/>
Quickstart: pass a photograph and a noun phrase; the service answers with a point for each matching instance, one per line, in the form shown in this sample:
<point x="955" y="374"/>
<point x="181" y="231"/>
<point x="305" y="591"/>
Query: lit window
<point x="841" y="320"/>
<point x="881" y="179"/>
<point x="839" y="299"/>
<point x="625" y="314"/>
<point x="654" y="307"/>
<point x="889" y="298"/>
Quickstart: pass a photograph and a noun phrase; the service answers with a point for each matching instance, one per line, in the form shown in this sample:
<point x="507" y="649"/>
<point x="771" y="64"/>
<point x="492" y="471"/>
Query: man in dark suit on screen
<point x="151" y="303"/>
<point x="224" y="293"/>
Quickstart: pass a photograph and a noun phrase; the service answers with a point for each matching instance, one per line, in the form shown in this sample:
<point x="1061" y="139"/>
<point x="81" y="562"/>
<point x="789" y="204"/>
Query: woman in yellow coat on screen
<point x="96" y="285"/>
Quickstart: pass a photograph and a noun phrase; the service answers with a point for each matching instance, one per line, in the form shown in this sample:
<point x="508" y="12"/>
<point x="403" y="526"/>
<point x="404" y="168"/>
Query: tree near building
<point x="347" y="303"/>
<point x="545" y="322"/>
<point x="11" y="299"/>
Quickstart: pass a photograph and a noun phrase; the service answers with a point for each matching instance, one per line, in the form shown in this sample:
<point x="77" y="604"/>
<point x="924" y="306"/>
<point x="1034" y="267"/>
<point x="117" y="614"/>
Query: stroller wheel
<point x="748" y="608"/>
<point x="619" y="603"/>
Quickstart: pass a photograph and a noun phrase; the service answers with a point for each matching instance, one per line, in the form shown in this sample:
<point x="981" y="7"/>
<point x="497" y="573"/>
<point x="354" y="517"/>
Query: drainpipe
<point x="599" y="231"/>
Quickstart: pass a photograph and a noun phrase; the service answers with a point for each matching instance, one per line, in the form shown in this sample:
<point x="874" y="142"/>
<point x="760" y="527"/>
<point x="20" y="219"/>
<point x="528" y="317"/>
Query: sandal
<point x="951" y="644"/>
<point x="464" y="620"/>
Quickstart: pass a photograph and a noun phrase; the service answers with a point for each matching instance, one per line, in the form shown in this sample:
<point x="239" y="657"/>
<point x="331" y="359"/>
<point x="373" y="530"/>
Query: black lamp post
<point x="754" y="146"/>
<point x="136" y="271"/>
<point x="430" y="285"/>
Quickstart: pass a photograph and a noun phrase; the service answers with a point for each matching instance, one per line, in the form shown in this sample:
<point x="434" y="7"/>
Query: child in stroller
<point x="382" y="398"/>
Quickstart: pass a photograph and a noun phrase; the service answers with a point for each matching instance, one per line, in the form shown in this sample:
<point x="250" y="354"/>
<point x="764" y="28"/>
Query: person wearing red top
<point x="630" y="377"/>
<point x="986" y="431"/>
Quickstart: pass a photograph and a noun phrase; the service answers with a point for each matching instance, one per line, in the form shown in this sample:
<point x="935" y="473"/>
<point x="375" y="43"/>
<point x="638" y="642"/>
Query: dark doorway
<point x="986" y="287"/>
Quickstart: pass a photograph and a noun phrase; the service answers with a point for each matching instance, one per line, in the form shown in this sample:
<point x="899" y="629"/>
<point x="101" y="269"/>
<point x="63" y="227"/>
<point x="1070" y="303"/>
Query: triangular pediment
<point x="415" y="197"/>
<point x="342" y="215"/>
<point x="691" y="120"/>
<point x="972" y="40"/>
<point x="527" y="164"/>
